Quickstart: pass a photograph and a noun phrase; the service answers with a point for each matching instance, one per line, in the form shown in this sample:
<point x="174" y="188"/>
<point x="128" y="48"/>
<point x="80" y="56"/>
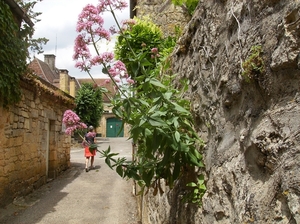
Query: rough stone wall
<point x="164" y="14"/>
<point x="251" y="129"/>
<point x="33" y="147"/>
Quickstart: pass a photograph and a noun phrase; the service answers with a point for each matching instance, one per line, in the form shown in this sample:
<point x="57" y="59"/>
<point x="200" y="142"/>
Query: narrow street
<point x="76" y="196"/>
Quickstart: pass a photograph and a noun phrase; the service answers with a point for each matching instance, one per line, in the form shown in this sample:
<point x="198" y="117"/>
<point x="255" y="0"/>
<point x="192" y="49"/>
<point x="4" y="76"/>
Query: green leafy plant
<point x="159" y="117"/>
<point x="139" y="37"/>
<point x="197" y="191"/>
<point x="189" y="4"/>
<point x="89" y="105"/>
<point x="253" y="66"/>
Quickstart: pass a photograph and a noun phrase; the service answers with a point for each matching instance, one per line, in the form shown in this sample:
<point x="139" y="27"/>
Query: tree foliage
<point x="89" y="106"/>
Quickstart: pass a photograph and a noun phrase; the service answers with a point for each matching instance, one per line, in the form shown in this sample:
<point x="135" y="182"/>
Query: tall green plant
<point x="159" y="116"/>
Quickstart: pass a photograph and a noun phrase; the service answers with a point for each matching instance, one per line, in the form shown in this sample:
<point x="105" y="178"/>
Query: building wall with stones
<point x="163" y="13"/>
<point x="33" y="146"/>
<point x="250" y="127"/>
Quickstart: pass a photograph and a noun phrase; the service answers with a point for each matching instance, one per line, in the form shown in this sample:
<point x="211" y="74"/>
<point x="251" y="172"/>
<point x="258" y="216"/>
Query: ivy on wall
<point x="13" y="54"/>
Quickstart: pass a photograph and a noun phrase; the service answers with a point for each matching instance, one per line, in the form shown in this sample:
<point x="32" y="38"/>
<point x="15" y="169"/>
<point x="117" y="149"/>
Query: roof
<point x="102" y="83"/>
<point x="43" y="70"/>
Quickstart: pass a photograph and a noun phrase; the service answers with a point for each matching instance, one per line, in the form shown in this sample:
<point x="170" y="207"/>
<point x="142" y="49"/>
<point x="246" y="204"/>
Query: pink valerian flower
<point x="108" y="5"/>
<point x="107" y="81"/>
<point x="80" y="48"/>
<point x="118" y="69"/>
<point x="117" y="79"/>
<point x="107" y="57"/>
<point x="104" y="58"/>
<point x="82" y="65"/>
<point x="91" y="22"/>
<point x="130" y="81"/>
<point x="113" y="30"/>
<point x="70" y="118"/>
<point x="127" y="24"/>
<point x="154" y="52"/>
<point x="102" y="33"/>
<point x="72" y="122"/>
<point x="88" y="18"/>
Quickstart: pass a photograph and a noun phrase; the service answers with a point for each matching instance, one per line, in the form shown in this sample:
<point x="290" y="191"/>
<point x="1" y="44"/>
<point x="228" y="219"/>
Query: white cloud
<point x="58" y="24"/>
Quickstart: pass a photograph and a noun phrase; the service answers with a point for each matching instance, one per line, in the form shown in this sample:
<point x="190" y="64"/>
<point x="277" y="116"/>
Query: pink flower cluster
<point x="118" y="69"/>
<point x="90" y="27"/>
<point x="127" y="24"/>
<point x="154" y="52"/>
<point x="108" y="5"/>
<point x="72" y="122"/>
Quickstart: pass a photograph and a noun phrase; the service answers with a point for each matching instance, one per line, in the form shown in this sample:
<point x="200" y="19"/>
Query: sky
<point x="58" y="24"/>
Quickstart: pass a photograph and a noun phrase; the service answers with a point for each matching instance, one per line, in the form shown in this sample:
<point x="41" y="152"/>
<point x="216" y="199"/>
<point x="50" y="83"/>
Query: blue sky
<point x="58" y="24"/>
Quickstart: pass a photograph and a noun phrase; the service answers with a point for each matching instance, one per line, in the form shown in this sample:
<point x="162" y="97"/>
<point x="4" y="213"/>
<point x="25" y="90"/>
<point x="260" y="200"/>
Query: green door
<point x="113" y="127"/>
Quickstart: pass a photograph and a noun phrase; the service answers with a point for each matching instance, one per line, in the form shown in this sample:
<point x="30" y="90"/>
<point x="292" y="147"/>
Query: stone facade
<point x="251" y="128"/>
<point x="33" y="146"/>
<point x="163" y="13"/>
<point x="103" y="122"/>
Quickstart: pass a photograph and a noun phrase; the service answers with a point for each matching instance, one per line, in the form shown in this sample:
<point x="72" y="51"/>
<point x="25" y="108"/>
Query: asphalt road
<point x="98" y="196"/>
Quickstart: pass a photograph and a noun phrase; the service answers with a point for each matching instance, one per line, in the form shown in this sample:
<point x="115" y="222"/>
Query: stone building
<point x="33" y="146"/>
<point x="58" y="77"/>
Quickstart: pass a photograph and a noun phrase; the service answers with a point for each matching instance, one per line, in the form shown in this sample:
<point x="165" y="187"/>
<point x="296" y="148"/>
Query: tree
<point x="89" y="106"/>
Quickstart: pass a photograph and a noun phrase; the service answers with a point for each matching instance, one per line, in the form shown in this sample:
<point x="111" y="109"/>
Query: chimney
<point x="64" y="80"/>
<point x="72" y="86"/>
<point x="50" y="60"/>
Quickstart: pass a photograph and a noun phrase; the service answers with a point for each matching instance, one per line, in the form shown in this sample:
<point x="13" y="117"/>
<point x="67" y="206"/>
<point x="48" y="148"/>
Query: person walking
<point x="89" y="139"/>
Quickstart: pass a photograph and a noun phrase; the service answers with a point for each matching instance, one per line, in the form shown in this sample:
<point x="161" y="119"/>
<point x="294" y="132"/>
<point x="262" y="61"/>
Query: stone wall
<point x="33" y="147"/>
<point x="251" y="128"/>
<point x="164" y="14"/>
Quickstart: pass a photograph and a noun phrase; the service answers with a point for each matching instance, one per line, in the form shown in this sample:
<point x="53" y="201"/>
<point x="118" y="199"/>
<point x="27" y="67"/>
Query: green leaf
<point x="157" y="83"/>
<point x="179" y="108"/>
<point x="145" y="62"/>
<point x="120" y="170"/>
<point x="177" y="136"/>
<point x="168" y="95"/>
<point x="191" y="184"/>
<point x="156" y="123"/>
<point x="194" y="159"/>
